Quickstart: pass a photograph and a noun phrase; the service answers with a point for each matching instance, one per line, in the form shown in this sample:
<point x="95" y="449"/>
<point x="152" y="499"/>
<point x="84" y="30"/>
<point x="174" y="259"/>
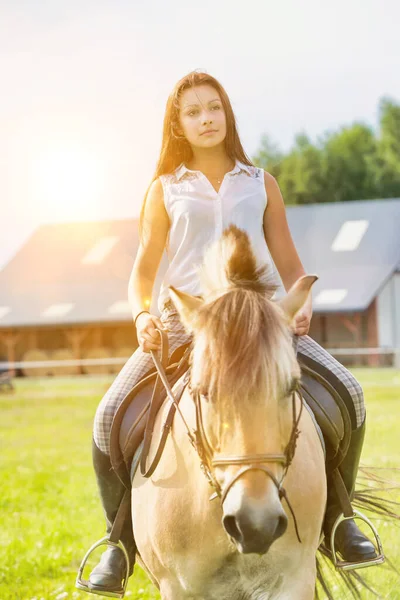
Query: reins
<point x="256" y="462"/>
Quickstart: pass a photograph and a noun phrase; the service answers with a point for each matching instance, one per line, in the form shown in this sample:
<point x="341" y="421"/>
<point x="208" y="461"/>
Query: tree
<point x="347" y="164"/>
<point x="389" y="138"/>
<point x="298" y="171"/>
<point x="387" y="169"/>
<point x="353" y="163"/>
<point x="269" y="156"/>
<point x="301" y="173"/>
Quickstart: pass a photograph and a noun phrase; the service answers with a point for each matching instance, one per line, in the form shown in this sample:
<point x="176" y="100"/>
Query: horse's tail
<point x="373" y="498"/>
<point x="231" y="263"/>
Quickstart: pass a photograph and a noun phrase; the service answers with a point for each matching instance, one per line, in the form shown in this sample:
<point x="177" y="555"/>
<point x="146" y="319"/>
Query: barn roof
<point x="75" y="273"/>
<point x="354" y="247"/>
<point x="70" y="273"/>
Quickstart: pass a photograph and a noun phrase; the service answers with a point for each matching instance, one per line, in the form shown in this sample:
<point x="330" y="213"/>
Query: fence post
<point x="397" y="358"/>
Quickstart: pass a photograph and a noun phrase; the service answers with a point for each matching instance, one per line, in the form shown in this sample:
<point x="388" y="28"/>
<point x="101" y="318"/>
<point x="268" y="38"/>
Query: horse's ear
<point x="187" y="307"/>
<point x="297" y="295"/>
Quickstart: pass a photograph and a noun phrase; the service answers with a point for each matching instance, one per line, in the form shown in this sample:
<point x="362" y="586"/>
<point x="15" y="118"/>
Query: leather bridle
<point x="256" y="462"/>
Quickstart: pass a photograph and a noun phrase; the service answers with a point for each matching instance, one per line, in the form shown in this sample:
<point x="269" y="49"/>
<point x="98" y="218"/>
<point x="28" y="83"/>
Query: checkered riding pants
<point x="141" y="362"/>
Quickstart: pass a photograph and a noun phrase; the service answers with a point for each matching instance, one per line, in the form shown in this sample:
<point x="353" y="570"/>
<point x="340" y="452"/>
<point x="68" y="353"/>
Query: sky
<point x="84" y="87"/>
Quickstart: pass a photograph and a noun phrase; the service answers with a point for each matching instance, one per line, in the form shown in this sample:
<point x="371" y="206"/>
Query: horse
<point x="257" y="538"/>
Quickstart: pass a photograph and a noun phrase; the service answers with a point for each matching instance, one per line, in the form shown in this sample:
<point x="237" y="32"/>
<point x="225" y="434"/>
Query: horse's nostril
<point x="281" y="527"/>
<point x="251" y="537"/>
<point x="231" y="528"/>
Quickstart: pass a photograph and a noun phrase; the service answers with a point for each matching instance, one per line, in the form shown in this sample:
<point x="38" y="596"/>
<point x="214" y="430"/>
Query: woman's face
<point x="201" y="110"/>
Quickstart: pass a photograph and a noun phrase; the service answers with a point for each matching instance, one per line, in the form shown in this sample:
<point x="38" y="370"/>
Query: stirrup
<point x="83" y="584"/>
<point x="346" y="565"/>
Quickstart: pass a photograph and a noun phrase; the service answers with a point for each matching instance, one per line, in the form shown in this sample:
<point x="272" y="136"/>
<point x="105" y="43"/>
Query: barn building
<point x="64" y="294"/>
<point x="354" y="247"/>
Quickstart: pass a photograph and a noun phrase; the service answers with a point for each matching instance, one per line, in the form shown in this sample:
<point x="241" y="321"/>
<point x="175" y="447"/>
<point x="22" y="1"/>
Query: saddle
<point x="134" y="421"/>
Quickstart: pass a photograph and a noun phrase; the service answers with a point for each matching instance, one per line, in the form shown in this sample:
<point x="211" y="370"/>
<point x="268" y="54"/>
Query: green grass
<point x="50" y="512"/>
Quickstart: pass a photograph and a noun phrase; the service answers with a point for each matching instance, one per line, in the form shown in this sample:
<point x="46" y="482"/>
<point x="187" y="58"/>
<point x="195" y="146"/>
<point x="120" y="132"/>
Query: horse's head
<point x="244" y="373"/>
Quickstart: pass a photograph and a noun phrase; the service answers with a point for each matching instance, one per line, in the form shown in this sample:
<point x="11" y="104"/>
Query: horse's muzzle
<point x="253" y="534"/>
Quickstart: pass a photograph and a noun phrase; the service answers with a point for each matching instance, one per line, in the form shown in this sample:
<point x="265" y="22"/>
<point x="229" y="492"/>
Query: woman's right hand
<point x="148" y="337"/>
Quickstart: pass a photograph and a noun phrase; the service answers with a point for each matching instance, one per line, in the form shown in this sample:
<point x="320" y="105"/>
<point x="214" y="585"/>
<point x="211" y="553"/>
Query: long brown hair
<point x="175" y="149"/>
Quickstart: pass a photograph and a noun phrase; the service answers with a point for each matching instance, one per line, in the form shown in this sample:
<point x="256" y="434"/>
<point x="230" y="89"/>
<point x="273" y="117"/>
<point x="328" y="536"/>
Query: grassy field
<point x="50" y="512"/>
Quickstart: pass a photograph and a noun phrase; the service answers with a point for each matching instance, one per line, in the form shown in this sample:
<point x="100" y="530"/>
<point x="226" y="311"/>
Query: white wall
<point x="396" y="309"/>
<point x="388" y="309"/>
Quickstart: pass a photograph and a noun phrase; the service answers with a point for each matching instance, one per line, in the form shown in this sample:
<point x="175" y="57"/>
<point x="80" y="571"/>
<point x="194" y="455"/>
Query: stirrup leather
<point x="83" y="584"/>
<point x="346" y="565"/>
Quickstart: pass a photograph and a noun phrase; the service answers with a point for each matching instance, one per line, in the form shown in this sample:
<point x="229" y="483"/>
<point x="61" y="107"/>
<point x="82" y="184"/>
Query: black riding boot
<point x="352" y="544"/>
<point x="108" y="575"/>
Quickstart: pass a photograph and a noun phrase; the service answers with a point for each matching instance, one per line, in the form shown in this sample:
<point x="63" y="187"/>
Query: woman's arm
<point x="282" y="249"/>
<point x="151" y="247"/>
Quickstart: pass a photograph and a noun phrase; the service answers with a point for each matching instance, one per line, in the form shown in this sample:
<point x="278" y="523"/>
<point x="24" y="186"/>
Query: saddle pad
<point x="136" y="460"/>
<point x="133" y="425"/>
<point x="128" y="429"/>
<point x="317" y="427"/>
<point x="330" y="413"/>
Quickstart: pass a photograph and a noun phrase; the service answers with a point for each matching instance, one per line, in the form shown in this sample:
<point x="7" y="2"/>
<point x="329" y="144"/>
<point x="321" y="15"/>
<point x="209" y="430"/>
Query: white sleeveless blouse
<point x="198" y="215"/>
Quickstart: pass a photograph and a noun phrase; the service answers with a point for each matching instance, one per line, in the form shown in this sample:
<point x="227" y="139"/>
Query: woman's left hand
<point x="302" y="319"/>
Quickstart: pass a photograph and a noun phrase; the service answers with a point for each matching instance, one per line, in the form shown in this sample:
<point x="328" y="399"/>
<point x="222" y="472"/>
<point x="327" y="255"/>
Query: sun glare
<point x="68" y="183"/>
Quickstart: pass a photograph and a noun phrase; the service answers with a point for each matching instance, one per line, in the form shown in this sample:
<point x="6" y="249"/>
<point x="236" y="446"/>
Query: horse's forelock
<point x="247" y="346"/>
<point x="230" y="263"/>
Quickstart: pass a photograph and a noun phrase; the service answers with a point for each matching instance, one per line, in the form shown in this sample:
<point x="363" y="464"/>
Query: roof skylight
<point x="4" y="310"/>
<point x="100" y="250"/>
<point x="334" y="296"/>
<point x="119" y="308"/>
<point x="349" y="236"/>
<point x="58" y="310"/>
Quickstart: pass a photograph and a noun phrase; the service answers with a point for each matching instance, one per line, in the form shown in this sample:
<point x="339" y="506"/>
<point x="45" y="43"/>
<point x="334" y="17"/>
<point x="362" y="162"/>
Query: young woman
<point x="204" y="181"/>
